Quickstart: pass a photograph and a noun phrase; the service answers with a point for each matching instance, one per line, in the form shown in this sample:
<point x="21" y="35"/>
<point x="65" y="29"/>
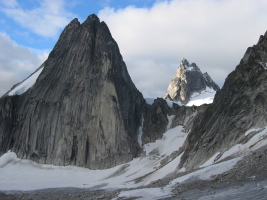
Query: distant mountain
<point x="190" y="86"/>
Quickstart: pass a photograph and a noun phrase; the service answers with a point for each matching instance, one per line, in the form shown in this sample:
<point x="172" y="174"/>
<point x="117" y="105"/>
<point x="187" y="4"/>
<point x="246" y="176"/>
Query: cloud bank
<point x="16" y="62"/>
<point x="212" y="33"/>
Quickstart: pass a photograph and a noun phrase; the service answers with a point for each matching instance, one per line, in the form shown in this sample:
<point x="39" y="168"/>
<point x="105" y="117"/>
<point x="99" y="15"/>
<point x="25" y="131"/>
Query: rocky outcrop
<point x="188" y="80"/>
<point x="83" y="110"/>
<point x="160" y="116"/>
<point x="239" y="106"/>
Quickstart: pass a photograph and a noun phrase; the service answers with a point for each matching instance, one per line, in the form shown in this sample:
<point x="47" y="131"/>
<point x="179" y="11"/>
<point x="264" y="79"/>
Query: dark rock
<point x="155" y="120"/>
<point x="188" y="80"/>
<point x="239" y="106"/>
<point x="159" y="115"/>
<point x="83" y="110"/>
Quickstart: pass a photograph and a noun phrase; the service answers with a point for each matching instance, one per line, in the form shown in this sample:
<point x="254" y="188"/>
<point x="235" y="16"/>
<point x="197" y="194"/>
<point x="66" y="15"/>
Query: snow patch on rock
<point x="26" y="84"/>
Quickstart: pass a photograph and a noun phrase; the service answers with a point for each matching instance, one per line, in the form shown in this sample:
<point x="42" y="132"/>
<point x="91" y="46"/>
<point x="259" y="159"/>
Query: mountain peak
<point x="91" y="19"/>
<point x="187" y="66"/>
<point x="184" y="62"/>
<point x="188" y="80"/>
<point x="84" y="109"/>
<point x="74" y="22"/>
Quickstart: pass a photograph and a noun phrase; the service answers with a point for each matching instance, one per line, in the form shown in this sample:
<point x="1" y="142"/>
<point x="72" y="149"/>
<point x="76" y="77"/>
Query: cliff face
<point x="238" y="107"/>
<point x="188" y="80"/>
<point x="83" y="110"/>
<point x="161" y="116"/>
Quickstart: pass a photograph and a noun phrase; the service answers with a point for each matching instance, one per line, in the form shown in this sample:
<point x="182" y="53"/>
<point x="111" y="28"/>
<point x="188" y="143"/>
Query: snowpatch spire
<point x="189" y="80"/>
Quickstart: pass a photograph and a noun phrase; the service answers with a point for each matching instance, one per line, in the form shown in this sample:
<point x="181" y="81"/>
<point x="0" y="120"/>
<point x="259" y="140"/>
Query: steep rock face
<point x="239" y="106"/>
<point x="160" y="116"/>
<point x="187" y="80"/>
<point x="83" y="110"/>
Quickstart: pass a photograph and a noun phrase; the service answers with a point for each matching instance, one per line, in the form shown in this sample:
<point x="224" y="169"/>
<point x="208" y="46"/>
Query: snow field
<point x="25" y="175"/>
<point x="205" y="97"/>
<point x="147" y="193"/>
<point x="21" y="174"/>
<point x="257" y="141"/>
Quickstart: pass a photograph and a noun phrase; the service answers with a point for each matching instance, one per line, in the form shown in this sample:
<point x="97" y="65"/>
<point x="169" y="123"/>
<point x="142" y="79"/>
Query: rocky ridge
<point x="238" y="107"/>
<point x="188" y="80"/>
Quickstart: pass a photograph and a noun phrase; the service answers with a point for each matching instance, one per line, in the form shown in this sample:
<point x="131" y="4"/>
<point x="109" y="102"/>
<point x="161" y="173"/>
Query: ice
<point x="26" y="84"/>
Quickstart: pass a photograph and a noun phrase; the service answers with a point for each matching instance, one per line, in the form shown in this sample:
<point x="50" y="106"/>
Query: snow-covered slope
<point x="26" y="84"/>
<point x="19" y="174"/>
<point x="158" y="160"/>
<point x="204" y="97"/>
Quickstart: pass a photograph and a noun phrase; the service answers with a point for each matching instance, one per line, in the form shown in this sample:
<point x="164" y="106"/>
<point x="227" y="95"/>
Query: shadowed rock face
<point x="159" y="116"/>
<point x="239" y="106"/>
<point x="187" y="80"/>
<point x="83" y="110"/>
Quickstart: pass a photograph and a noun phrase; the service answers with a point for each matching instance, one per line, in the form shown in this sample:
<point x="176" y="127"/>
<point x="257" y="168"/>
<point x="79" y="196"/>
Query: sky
<point x="153" y="35"/>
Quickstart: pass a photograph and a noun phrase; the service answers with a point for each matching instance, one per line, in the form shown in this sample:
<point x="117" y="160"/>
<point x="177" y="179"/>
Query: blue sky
<point x="14" y="17"/>
<point x="153" y="36"/>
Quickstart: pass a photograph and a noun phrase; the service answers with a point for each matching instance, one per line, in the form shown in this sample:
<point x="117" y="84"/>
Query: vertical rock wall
<point x="83" y="110"/>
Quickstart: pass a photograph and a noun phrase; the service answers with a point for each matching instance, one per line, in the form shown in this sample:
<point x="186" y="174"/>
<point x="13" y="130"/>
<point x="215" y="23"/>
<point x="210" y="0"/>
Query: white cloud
<point x="9" y="3"/>
<point x="16" y="62"/>
<point x="213" y="34"/>
<point x="45" y="20"/>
